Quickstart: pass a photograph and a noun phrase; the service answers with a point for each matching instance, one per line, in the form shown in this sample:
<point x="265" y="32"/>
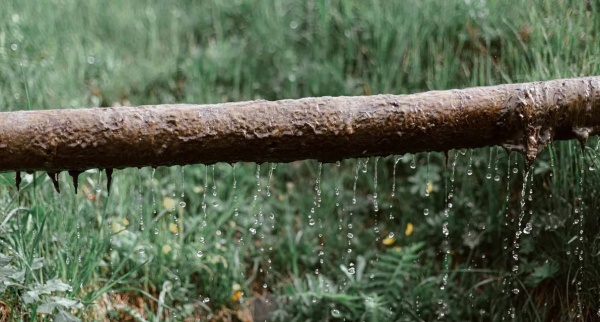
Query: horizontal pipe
<point x="523" y="117"/>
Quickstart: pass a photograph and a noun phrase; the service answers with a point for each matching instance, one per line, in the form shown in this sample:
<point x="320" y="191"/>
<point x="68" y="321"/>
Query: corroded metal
<point x="522" y="117"/>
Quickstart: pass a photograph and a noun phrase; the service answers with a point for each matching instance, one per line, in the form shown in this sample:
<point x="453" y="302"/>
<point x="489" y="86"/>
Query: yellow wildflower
<point x="125" y="222"/>
<point x="166" y="249"/>
<point x="409" y="229"/>
<point x="116" y="227"/>
<point x="389" y="240"/>
<point x="173" y="228"/>
<point x="236" y="296"/>
<point x="429" y="187"/>
<point x="168" y="203"/>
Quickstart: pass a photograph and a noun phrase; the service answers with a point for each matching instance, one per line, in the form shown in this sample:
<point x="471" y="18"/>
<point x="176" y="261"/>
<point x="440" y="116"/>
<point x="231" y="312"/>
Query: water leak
<point x="579" y="207"/>
<point x="523" y="198"/>
<point x="320" y="249"/>
<point x="272" y="168"/>
<point x="497" y="173"/>
<point x="375" y="201"/>
<point x="488" y="174"/>
<point x="358" y="164"/>
<point x="235" y="193"/>
<point x="445" y="228"/>
<point x="470" y="167"/>
<point x="327" y="225"/>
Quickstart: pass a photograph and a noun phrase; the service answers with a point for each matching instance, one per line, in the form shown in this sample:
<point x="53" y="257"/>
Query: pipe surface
<point x="524" y="117"/>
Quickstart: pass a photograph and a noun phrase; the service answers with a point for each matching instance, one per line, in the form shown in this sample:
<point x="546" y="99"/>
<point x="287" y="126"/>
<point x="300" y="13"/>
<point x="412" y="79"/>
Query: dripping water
<point x="579" y="223"/>
<point x="488" y="174"/>
<point x="214" y="182"/>
<point x="271" y="169"/>
<point x="527" y="179"/>
<point x="497" y="173"/>
<point x="317" y="205"/>
<point x="358" y="164"/>
<point x="235" y="195"/>
<point x="375" y="202"/>
<point x="445" y="229"/>
<point x="470" y="166"/>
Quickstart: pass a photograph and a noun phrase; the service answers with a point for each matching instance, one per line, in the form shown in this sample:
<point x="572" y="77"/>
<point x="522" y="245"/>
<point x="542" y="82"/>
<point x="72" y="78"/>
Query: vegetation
<point x="470" y="236"/>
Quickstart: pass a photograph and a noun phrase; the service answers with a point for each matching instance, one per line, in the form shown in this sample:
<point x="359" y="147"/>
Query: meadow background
<point x="403" y="238"/>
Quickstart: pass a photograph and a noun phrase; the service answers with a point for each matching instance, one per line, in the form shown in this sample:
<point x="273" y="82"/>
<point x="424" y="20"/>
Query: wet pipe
<point x="523" y="117"/>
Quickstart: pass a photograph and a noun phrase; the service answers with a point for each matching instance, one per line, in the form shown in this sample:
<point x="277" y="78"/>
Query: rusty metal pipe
<point x="523" y="117"/>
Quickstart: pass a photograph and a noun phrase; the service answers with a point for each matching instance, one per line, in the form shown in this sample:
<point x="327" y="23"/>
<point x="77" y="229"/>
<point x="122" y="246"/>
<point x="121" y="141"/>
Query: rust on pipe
<point x="523" y="117"/>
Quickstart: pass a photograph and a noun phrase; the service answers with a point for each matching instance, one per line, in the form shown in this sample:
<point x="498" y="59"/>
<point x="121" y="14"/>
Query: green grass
<point x="140" y="253"/>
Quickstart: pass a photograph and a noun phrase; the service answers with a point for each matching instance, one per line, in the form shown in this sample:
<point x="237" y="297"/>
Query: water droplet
<point x="488" y="176"/>
<point x="199" y="254"/>
<point x="445" y="230"/>
<point x="336" y="313"/>
<point x="350" y="235"/>
<point x="426" y="211"/>
<point x="351" y="270"/>
<point x="516" y="291"/>
<point x="497" y="178"/>
<point x="469" y="172"/>
<point x="311" y="222"/>
<point x="14" y="47"/>
<point x="527" y="228"/>
<point x="206" y="300"/>
<point x="253" y="231"/>
<point x="182" y="204"/>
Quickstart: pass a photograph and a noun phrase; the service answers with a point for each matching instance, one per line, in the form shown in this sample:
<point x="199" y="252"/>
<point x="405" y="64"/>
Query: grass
<point x="216" y="242"/>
